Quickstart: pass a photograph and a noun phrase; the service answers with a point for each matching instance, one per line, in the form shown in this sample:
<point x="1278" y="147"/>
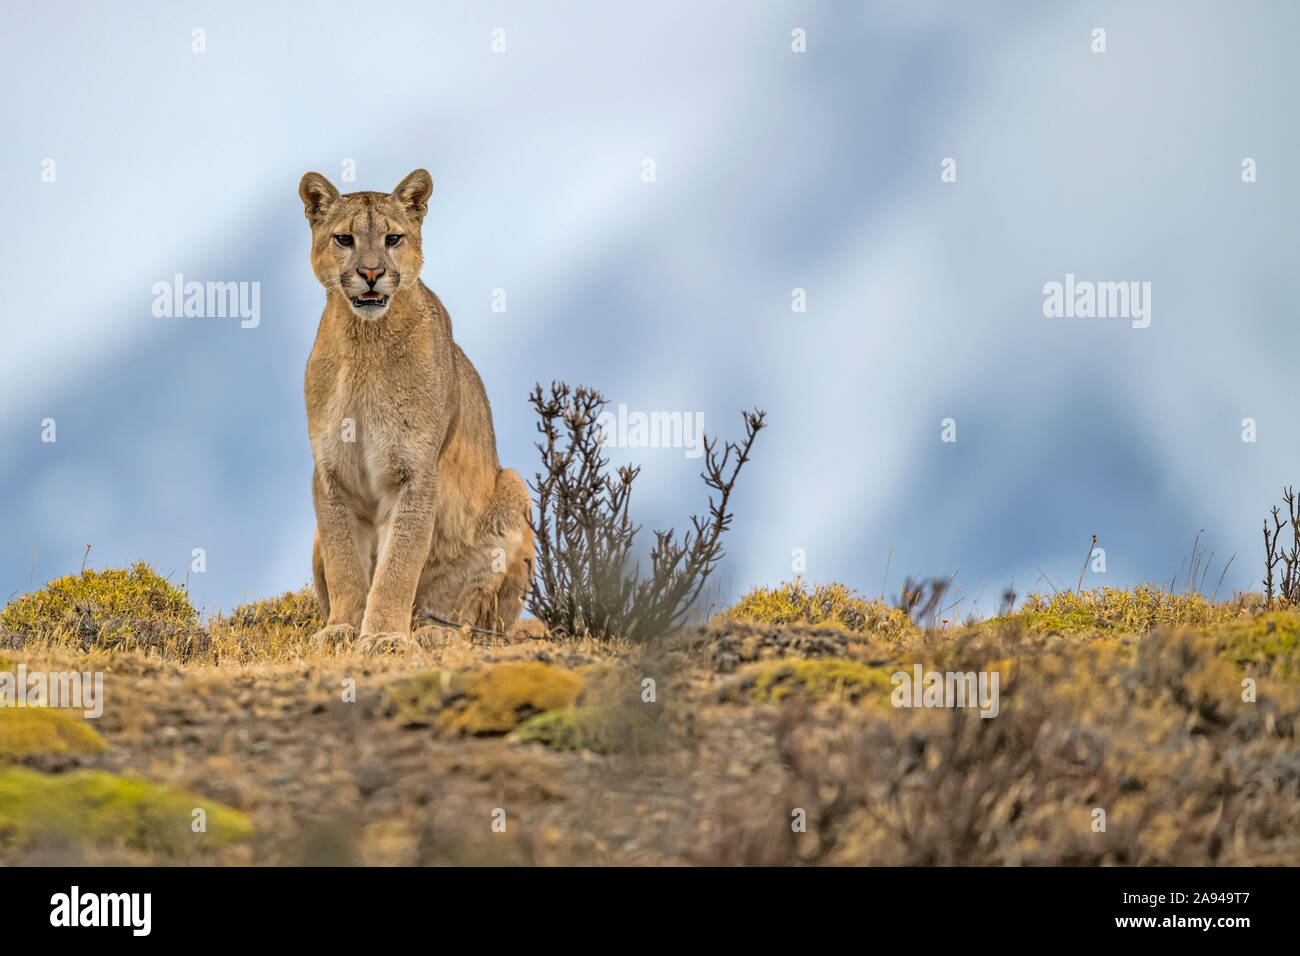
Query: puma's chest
<point x="365" y="440"/>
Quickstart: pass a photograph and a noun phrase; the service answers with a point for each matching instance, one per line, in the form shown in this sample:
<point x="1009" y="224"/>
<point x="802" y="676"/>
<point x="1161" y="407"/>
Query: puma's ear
<point x="413" y="193"/>
<point x="318" y="194"/>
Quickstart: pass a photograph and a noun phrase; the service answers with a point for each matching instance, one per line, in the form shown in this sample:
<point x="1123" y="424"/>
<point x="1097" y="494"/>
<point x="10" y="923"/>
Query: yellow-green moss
<point x="25" y="731"/>
<point x="1138" y="608"/>
<point x="602" y="729"/>
<point x="416" y="701"/>
<point x="492" y="700"/>
<point x="295" y="609"/>
<point x="1060" y="622"/>
<point x="93" y="806"/>
<point x="822" y="679"/>
<point x="111" y="602"/>
<point x="1265" y="644"/>
<point x="827" y="605"/>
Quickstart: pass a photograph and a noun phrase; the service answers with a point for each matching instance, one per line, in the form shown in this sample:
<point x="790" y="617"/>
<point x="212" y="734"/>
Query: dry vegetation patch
<point x="1174" y="716"/>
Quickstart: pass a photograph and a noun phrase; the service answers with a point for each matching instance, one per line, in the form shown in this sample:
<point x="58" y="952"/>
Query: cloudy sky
<point x="131" y="157"/>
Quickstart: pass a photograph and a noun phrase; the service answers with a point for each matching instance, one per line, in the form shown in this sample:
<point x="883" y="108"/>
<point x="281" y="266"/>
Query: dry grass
<point x="1173" y="715"/>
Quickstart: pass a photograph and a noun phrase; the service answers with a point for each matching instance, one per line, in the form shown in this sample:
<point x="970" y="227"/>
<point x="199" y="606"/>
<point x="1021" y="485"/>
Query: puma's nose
<point x="371" y="275"/>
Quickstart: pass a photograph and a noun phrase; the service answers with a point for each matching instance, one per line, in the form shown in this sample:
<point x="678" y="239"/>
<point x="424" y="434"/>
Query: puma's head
<point x="366" y="246"/>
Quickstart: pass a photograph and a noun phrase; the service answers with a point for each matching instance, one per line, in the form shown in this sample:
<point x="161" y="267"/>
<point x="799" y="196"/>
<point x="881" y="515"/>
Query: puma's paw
<point x="333" y="636"/>
<point x="384" y="642"/>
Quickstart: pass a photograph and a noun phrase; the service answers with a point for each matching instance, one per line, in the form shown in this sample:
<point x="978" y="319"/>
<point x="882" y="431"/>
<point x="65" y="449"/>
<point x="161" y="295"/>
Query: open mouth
<point x="370" y="300"/>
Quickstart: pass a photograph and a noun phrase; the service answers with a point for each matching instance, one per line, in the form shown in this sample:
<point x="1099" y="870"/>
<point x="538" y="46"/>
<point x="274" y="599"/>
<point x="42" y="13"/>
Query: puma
<point x="414" y="514"/>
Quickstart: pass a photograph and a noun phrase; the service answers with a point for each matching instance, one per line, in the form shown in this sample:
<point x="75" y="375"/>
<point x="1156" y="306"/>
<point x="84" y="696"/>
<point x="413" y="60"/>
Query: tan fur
<point x="415" y="514"/>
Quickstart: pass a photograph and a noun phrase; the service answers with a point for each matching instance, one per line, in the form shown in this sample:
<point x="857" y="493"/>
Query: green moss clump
<point x="293" y="609"/>
<point x="1059" y="622"/>
<point x="826" y="605"/>
<point x="93" y="806"/>
<point x="492" y="700"/>
<point x="604" y="729"/>
<point x="826" y="678"/>
<point x="105" y="608"/>
<point x="1140" y="608"/>
<point x="1266" y="644"/>
<point x="416" y="701"/>
<point x="25" y="731"/>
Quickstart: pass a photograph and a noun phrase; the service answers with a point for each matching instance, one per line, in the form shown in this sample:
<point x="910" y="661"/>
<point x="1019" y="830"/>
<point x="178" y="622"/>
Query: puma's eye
<point x="343" y="240"/>
<point x="392" y="240"/>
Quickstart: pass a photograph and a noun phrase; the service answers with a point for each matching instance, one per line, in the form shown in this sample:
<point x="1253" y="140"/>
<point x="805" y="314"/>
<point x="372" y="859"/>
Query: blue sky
<point x="775" y="170"/>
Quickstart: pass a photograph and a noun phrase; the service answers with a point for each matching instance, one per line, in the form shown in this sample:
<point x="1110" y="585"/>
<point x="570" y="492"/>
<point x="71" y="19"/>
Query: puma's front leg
<point x="345" y="578"/>
<point x="387" y="620"/>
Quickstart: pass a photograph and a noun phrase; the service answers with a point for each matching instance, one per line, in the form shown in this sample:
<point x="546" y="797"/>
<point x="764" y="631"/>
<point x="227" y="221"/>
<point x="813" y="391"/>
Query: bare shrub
<point x="1275" y="551"/>
<point x="586" y="583"/>
<point x="1155" y="735"/>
